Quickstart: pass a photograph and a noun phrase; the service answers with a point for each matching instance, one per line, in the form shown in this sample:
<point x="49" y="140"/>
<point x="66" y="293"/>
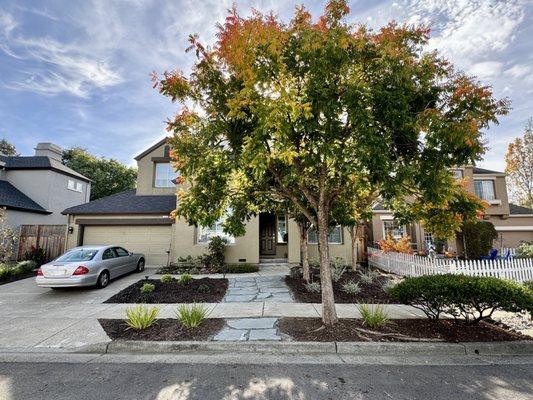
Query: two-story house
<point x="36" y="189"/>
<point x="140" y="220"/>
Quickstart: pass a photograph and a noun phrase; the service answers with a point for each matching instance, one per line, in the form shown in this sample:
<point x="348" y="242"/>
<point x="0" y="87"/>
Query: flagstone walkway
<point x="258" y="289"/>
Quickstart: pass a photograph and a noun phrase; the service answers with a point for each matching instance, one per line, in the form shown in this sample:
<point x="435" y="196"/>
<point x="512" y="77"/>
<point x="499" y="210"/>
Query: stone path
<point x="258" y="289"/>
<point x="249" y="329"/>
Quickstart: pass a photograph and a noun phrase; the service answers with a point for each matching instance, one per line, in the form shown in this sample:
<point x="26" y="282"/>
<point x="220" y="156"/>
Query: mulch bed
<point x="353" y="330"/>
<point x="173" y="292"/>
<point x="167" y="329"/>
<point x="370" y="293"/>
<point x="10" y="279"/>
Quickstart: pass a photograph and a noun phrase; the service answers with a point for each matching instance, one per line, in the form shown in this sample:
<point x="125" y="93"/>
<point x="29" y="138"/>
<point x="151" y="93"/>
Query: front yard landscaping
<point x="396" y="330"/>
<point x="364" y="286"/>
<point x="12" y="272"/>
<point x="204" y="290"/>
<point x="167" y="329"/>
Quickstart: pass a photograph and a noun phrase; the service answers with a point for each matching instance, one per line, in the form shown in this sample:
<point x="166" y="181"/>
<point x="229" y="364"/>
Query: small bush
<point x="204" y="288"/>
<point x="194" y="271"/>
<point x="240" y="268"/>
<point x="388" y="285"/>
<point x="402" y="245"/>
<point x="528" y="285"/>
<point x="473" y="298"/>
<point x="337" y="269"/>
<point x="37" y="255"/>
<point x="374" y="316"/>
<point x="296" y="272"/>
<point x="141" y="317"/>
<point x="312" y="287"/>
<point x="26" y="266"/>
<point x="351" y="288"/>
<point x="185" y="279"/>
<point x="147" y="288"/>
<point x="478" y="237"/>
<point x="217" y="252"/>
<point x="525" y="250"/>
<point x="4" y="272"/>
<point x="167" y="278"/>
<point x="191" y="315"/>
<point x="368" y="277"/>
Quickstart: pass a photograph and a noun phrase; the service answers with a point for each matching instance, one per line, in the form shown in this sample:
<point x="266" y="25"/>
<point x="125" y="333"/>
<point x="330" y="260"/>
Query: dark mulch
<point x="15" y="278"/>
<point x="173" y="292"/>
<point x="163" y="329"/>
<point x="370" y="293"/>
<point x="311" y="329"/>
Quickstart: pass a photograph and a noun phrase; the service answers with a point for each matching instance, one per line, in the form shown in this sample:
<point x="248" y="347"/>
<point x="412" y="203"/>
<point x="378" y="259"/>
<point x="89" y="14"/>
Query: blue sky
<point x="77" y="72"/>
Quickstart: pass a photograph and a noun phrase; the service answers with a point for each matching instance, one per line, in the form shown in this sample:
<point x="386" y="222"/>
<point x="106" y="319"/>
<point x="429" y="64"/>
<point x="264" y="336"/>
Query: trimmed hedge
<point x="478" y="237"/>
<point x="473" y="298"/>
<point x="240" y="268"/>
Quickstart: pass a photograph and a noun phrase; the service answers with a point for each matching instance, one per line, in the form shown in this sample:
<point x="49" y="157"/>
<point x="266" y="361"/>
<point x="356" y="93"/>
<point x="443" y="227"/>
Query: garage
<point x="151" y="240"/>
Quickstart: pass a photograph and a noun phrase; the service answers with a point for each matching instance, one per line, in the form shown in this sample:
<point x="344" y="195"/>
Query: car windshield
<point x="78" y="255"/>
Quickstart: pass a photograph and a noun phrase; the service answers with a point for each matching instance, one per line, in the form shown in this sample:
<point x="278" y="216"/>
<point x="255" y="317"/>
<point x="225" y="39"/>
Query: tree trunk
<point x="303" y="249"/>
<point x="329" y="314"/>
<point x="353" y="238"/>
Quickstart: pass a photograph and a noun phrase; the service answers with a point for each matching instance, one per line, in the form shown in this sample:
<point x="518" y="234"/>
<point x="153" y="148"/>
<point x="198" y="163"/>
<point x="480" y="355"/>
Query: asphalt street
<point x="182" y="377"/>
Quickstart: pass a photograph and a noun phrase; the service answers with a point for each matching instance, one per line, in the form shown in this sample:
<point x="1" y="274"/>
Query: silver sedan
<point x="89" y="266"/>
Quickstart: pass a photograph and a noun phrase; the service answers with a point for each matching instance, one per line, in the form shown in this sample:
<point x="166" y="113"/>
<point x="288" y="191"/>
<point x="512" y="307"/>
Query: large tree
<point x="309" y="110"/>
<point x="7" y="148"/>
<point x="108" y="176"/>
<point x="519" y="168"/>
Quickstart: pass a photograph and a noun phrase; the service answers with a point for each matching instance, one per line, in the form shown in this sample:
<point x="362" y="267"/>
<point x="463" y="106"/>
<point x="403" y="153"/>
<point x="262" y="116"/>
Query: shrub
<point x="4" y="271"/>
<point x="528" y="285"/>
<point x="185" y="279"/>
<point x="37" y="255"/>
<point x="478" y="237"/>
<point x="191" y="315"/>
<point x="217" y="252"/>
<point x="8" y="238"/>
<point x="194" y="271"/>
<point x="147" y="288"/>
<point x="337" y="269"/>
<point x="141" y="317"/>
<point x="368" y="277"/>
<point x="374" y="316"/>
<point x="204" y="288"/>
<point x="525" y="250"/>
<point x="312" y="287"/>
<point x="296" y="272"/>
<point x="402" y="245"/>
<point x="167" y="278"/>
<point x="473" y="298"/>
<point x="241" y="268"/>
<point x="351" y="287"/>
<point x="388" y="285"/>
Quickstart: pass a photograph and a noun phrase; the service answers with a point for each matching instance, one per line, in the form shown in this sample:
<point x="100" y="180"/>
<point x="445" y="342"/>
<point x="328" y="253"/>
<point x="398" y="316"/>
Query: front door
<point x="267" y="234"/>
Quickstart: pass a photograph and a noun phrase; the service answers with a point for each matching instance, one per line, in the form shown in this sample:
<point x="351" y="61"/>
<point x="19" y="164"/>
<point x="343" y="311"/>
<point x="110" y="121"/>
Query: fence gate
<point x="50" y="238"/>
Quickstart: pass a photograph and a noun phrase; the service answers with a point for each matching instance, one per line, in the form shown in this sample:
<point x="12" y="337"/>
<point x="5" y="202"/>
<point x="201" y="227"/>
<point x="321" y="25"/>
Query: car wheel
<point x="103" y="280"/>
<point x="140" y="265"/>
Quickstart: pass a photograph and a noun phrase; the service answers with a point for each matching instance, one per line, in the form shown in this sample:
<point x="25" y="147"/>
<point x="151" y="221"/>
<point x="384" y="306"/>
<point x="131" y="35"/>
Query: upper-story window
<point x="334" y="237"/>
<point x="457" y="173"/>
<point x="75" y="185"/>
<point x="164" y="174"/>
<point x="485" y="189"/>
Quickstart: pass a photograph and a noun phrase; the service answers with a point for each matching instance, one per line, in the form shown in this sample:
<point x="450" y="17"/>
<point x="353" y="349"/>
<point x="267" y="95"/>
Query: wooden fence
<point x="517" y="269"/>
<point x="50" y="238"/>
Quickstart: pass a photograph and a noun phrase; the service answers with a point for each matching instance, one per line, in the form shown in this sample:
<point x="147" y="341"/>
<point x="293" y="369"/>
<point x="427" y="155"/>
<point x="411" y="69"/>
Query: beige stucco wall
<point x="146" y="174"/>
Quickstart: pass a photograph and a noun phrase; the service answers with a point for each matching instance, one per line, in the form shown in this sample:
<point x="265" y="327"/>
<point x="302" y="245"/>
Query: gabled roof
<point x="483" y="171"/>
<point x="12" y="198"/>
<point x="519" y="210"/>
<point x="40" y="162"/>
<point x="126" y="203"/>
<point x="152" y="148"/>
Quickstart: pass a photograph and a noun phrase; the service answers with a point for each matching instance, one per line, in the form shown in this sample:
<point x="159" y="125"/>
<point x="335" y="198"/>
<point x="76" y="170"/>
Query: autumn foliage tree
<point x="309" y="109"/>
<point x="519" y="168"/>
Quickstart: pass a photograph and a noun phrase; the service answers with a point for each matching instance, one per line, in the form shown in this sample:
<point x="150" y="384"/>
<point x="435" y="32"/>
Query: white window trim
<point x="169" y="182"/>
<point x="332" y="243"/>
<point x="493" y="201"/>
<point x="75" y="184"/>
<point x="231" y="240"/>
<point x="385" y="233"/>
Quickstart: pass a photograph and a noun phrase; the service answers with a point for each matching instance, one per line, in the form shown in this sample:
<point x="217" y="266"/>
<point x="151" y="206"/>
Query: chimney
<point x="49" y="150"/>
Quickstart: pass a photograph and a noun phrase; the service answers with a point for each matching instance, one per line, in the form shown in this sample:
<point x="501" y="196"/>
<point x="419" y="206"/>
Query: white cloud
<point x="486" y="69"/>
<point x="518" y="71"/>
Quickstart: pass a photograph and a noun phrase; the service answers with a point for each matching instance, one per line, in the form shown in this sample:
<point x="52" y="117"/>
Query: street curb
<point x="340" y="348"/>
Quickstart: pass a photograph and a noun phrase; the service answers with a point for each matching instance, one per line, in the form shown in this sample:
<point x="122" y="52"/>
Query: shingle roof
<point x="379" y="207"/>
<point x="483" y="171"/>
<point x="151" y="148"/>
<point x="126" y="203"/>
<point x="40" y="162"/>
<point x="519" y="210"/>
<point x="11" y="197"/>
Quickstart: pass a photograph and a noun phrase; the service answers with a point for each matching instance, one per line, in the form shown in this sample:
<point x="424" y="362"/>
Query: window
<point x="484" y="189"/>
<point x="457" y="173"/>
<point x="164" y="174"/>
<point x="75" y="185"/>
<point x="121" y="252"/>
<point x="206" y="233"/>
<point x="334" y="237"/>
<point x="282" y="229"/>
<point x="108" y="254"/>
<point x="78" y="255"/>
<point x="428" y="237"/>
<point x="393" y="229"/>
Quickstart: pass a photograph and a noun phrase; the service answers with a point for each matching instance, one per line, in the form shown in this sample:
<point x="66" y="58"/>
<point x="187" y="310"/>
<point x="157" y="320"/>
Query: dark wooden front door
<point x="267" y="234"/>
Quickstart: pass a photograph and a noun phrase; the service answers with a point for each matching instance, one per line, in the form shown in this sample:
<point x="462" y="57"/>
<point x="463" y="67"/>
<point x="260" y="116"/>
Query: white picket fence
<point x="516" y="269"/>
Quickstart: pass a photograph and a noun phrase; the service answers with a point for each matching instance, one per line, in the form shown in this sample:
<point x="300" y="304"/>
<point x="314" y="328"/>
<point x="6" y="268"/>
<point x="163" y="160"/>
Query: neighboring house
<point x="36" y="189"/>
<point x="513" y="223"/>
<point x="140" y="220"/>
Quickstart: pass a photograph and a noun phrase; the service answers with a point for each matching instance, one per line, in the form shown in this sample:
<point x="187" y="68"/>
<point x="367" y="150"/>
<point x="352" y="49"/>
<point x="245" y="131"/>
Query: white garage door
<point x="152" y="241"/>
